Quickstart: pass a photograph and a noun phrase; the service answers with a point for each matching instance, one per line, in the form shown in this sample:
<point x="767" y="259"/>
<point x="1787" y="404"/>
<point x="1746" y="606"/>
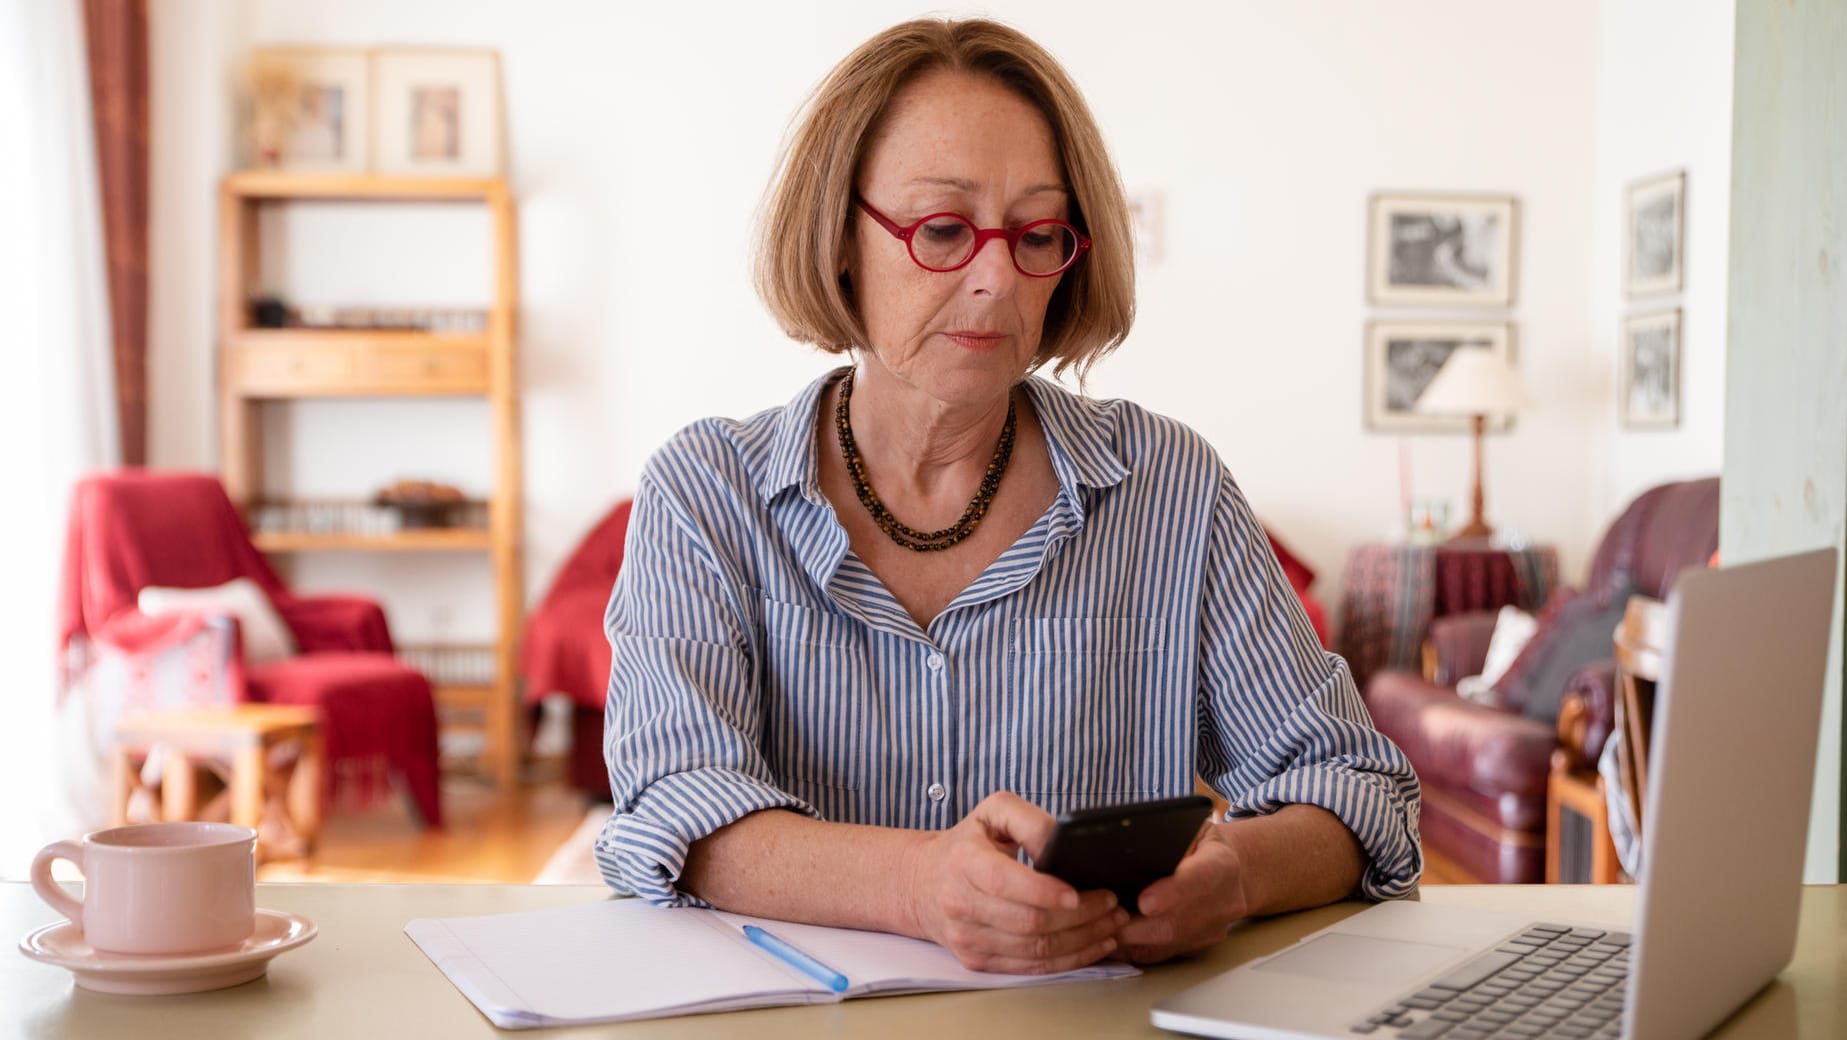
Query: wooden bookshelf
<point x="258" y="366"/>
<point x="434" y="540"/>
<point x="288" y="184"/>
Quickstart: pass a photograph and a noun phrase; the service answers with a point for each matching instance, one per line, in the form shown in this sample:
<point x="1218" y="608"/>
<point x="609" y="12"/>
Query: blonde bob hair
<point x="807" y="214"/>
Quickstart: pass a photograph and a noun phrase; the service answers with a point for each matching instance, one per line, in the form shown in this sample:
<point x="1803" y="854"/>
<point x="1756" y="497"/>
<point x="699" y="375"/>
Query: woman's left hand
<point x="1194" y="907"/>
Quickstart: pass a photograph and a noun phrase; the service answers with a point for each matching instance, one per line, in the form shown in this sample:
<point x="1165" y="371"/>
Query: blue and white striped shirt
<point x="1139" y="632"/>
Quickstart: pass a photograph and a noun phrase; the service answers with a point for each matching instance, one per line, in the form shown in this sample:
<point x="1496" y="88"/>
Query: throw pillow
<point x="266" y="637"/>
<point x="1513" y="629"/>
<point x="1574" y="630"/>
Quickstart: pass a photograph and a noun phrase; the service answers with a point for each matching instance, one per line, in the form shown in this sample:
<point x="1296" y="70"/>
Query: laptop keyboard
<point x="1548" y="981"/>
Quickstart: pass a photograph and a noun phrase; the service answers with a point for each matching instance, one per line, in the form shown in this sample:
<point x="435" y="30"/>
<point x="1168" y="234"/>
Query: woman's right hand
<point x="971" y="894"/>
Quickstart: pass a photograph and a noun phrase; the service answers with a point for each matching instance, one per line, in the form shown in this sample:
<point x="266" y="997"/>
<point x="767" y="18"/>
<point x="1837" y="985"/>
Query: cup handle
<point x="48" y="889"/>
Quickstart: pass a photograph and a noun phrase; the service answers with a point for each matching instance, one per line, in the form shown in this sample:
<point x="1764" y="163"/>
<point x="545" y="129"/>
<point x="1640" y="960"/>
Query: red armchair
<point x="565" y="650"/>
<point x="135" y="528"/>
<point x="1484" y="766"/>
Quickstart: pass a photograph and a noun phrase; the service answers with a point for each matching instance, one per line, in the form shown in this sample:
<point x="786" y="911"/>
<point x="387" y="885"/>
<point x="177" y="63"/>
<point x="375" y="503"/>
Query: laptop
<point x="1737" y="711"/>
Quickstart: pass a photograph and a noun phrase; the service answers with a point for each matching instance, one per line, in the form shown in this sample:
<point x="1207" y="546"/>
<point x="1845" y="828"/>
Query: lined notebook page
<point x="878" y="962"/>
<point x="625" y="959"/>
<point x="604" y="962"/>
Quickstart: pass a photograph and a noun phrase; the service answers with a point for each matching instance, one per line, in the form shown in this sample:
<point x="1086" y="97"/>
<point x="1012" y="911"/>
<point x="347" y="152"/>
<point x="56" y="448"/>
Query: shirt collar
<point x="1078" y="435"/>
<point x="792" y="461"/>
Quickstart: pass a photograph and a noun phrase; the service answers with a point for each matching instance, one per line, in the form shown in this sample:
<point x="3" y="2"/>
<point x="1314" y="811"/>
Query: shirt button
<point x="934" y="662"/>
<point x="938" y="792"/>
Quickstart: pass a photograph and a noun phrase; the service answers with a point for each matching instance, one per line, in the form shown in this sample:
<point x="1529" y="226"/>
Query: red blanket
<point x="565" y="650"/>
<point x="136" y="528"/>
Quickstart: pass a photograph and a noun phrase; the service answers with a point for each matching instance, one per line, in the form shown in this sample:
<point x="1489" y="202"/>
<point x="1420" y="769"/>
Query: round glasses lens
<point x="1045" y="248"/>
<point x="942" y="242"/>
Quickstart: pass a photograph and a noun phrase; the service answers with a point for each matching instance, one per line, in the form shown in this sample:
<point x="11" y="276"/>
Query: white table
<point x="362" y="977"/>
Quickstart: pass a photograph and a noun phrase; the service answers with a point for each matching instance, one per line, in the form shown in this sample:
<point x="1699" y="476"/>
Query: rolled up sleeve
<point x="682" y="722"/>
<point x="1281" y="720"/>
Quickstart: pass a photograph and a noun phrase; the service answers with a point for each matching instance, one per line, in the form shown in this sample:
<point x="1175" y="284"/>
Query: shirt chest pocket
<point x="815" y="686"/>
<point x="1094" y="717"/>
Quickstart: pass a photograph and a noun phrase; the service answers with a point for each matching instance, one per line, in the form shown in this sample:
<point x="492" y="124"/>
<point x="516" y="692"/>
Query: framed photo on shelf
<point x="1446" y="250"/>
<point x="1402" y="357"/>
<point x="1648" y="386"/>
<point x="438" y="113"/>
<point x="309" y="109"/>
<point x="1654" y="235"/>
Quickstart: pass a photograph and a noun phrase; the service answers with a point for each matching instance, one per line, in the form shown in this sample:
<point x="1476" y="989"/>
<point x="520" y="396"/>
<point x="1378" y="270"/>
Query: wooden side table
<point x="276" y="794"/>
<point x="1576" y="790"/>
<point x="1573" y="795"/>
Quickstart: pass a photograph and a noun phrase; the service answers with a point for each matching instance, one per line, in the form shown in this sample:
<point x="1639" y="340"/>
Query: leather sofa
<point x="1484" y="766"/>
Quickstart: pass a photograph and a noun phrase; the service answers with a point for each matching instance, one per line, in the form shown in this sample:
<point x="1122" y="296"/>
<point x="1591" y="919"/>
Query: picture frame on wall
<point x="1648" y="385"/>
<point x="438" y="113"/>
<point x="1654" y="235"/>
<point x="1402" y="357"/>
<point x="1444" y="250"/>
<point x="309" y="109"/>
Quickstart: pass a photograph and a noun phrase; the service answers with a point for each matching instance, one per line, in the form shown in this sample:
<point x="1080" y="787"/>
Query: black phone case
<point x="1124" y="848"/>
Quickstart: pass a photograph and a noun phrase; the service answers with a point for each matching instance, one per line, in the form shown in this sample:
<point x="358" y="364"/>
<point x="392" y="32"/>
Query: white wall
<point x="1664" y="103"/>
<point x="642" y="135"/>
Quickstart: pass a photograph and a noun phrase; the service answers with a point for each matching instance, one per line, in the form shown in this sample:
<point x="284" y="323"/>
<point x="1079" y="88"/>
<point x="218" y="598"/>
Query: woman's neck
<point x="916" y="444"/>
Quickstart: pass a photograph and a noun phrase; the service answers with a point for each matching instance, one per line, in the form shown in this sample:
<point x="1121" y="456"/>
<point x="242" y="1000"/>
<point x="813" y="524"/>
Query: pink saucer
<point x="62" y="944"/>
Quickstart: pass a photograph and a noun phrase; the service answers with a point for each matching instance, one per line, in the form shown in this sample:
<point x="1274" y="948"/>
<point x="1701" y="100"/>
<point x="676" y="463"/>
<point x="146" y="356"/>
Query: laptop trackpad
<point x="1341" y="957"/>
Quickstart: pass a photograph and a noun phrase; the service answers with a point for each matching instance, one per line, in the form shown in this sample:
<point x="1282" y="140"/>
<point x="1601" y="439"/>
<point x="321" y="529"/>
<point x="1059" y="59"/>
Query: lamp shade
<point x="1474" y="381"/>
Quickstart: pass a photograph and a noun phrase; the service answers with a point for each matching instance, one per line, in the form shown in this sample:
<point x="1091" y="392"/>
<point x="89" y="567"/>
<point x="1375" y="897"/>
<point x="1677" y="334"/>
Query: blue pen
<point x="796" y="959"/>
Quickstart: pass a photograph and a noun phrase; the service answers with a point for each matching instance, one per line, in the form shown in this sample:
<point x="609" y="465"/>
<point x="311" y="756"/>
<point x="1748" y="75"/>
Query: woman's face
<point x="958" y="143"/>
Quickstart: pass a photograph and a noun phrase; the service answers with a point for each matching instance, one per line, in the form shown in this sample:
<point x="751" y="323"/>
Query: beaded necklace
<point x="920" y="541"/>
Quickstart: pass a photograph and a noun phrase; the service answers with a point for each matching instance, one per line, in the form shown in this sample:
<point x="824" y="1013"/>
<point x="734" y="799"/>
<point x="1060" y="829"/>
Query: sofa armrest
<point x="1460" y="645"/>
<point x="1587" y="713"/>
<point x="1455" y="744"/>
<point x="336" y="623"/>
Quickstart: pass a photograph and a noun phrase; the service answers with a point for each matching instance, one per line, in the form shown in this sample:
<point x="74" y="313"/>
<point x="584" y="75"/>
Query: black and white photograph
<point x="1654" y="239"/>
<point x="1403" y="357"/>
<point x="1448" y="250"/>
<point x="1648" y="390"/>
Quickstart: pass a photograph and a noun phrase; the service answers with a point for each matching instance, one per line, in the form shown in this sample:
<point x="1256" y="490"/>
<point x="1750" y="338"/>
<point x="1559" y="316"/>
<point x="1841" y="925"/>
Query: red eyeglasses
<point x="948" y="241"/>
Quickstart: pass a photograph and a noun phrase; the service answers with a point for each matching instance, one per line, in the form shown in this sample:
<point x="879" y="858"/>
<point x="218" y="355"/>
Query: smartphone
<point x="1124" y="848"/>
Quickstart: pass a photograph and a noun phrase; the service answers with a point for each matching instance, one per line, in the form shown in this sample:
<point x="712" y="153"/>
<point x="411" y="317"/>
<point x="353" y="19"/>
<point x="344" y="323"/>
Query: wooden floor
<point x="1441" y="870"/>
<point x="489" y="837"/>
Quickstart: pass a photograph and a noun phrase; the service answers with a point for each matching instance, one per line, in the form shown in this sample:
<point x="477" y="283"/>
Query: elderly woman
<point x="867" y="643"/>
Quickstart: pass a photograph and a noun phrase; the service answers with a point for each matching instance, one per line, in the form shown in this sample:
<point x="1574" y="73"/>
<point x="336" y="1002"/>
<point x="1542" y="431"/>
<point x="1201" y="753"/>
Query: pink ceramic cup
<point x="158" y="888"/>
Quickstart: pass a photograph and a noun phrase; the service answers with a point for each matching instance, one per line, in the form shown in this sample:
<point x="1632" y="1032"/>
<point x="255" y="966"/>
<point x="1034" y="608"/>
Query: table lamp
<point x="1476" y="382"/>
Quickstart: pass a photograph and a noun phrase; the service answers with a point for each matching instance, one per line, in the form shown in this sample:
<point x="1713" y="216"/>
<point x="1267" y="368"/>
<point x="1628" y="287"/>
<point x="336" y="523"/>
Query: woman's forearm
<point x="780" y="864"/>
<point x="1297" y="857"/>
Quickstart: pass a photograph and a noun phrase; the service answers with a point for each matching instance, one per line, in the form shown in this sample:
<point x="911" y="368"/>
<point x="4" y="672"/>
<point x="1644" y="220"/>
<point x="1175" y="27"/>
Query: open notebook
<point x="625" y="959"/>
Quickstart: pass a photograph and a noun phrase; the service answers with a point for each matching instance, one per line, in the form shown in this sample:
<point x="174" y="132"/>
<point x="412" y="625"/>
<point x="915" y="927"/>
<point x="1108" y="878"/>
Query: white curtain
<point x="57" y="404"/>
